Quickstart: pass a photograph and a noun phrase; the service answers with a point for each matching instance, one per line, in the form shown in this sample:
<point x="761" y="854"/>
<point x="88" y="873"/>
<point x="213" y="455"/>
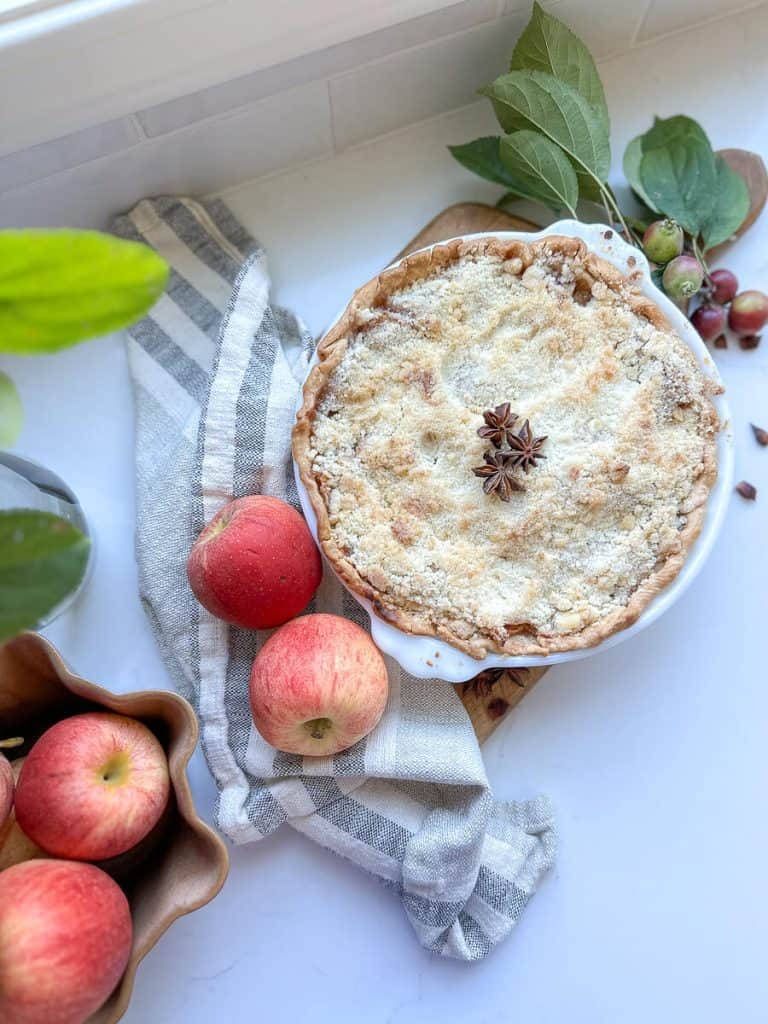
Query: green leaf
<point x="632" y="157"/>
<point x="680" y="181"/>
<point x="678" y="171"/>
<point x="548" y="45"/>
<point x="42" y="559"/>
<point x="482" y="157"/>
<point x="544" y="169"/>
<point x="11" y="412"/>
<point x="666" y="131"/>
<point x="538" y="101"/>
<point x="588" y="187"/>
<point x="60" y="287"/>
<point x="731" y="206"/>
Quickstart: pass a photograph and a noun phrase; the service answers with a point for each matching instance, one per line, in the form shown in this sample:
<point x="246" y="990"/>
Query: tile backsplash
<point x="324" y="64"/>
<point x="418" y="83"/>
<point x="338" y="97"/>
<point x="663" y="17"/>
<point x="28" y="165"/>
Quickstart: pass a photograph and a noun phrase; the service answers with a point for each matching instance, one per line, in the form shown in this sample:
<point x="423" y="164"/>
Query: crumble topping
<point x="391" y="439"/>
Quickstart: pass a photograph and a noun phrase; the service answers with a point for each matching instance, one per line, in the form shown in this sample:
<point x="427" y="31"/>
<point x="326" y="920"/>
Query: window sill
<point x="81" y="63"/>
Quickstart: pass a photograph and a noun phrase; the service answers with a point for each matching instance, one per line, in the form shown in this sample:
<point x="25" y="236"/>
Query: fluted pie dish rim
<point x="436" y="651"/>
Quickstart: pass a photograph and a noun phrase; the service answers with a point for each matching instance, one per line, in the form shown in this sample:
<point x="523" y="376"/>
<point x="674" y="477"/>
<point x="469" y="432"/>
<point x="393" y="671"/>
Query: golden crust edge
<point x="330" y="351"/>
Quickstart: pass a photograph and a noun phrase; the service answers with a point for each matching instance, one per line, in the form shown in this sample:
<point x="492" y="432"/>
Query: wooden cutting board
<point x="491" y="695"/>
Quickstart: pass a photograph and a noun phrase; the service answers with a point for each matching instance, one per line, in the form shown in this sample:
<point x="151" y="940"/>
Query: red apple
<point x="65" y="938"/>
<point x="15" y="846"/>
<point x="255" y="564"/>
<point x="92" y="787"/>
<point x="318" y="685"/>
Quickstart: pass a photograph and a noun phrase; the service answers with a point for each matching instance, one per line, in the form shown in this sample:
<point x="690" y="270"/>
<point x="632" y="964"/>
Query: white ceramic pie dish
<point x="429" y="657"/>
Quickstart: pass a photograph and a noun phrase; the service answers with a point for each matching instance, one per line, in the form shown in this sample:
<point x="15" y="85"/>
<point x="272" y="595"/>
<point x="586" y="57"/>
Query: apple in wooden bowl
<point x="180" y="863"/>
<point x="93" y="786"/>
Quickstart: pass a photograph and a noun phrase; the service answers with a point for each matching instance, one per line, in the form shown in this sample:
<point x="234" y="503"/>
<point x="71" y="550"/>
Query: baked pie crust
<point x="386" y="441"/>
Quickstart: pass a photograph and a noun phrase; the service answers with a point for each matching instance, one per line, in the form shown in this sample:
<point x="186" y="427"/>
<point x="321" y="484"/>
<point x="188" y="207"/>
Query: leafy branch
<point x="551" y="107"/>
<point x="555" y="149"/>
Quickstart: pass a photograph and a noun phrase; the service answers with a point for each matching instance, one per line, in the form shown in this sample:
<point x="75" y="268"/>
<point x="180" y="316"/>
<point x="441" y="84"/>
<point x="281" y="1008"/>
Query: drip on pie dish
<point x="555" y="340"/>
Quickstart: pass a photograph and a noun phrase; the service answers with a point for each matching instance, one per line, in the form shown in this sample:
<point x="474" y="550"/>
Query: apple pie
<point x="507" y="446"/>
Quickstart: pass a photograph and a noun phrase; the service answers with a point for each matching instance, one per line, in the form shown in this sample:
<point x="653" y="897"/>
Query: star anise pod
<point x="498" y="474"/>
<point x="484" y="682"/>
<point x="498" y="424"/>
<point x="525" y="449"/>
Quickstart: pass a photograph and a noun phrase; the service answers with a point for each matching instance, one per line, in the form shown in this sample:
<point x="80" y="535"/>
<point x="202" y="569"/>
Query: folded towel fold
<point x="217" y="370"/>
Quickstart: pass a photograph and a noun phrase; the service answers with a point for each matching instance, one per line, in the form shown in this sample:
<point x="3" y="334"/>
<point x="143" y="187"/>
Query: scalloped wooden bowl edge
<point x="196" y="863"/>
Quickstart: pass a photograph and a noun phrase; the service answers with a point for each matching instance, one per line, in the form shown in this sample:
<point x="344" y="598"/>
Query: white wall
<point x="110" y="128"/>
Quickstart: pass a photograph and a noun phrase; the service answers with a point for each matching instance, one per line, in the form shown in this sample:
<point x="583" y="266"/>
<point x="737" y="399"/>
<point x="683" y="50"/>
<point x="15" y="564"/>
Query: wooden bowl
<point x="182" y="864"/>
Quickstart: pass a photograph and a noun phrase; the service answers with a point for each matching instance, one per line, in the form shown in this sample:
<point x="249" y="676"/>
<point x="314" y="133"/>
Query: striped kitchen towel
<point x="217" y="371"/>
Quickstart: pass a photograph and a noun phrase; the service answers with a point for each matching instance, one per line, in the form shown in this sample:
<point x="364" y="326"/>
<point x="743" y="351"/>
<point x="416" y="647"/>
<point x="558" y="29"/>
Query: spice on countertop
<point x="746" y="490"/>
<point x="751" y="341"/>
<point x="497" y="707"/>
<point x="761" y="436"/>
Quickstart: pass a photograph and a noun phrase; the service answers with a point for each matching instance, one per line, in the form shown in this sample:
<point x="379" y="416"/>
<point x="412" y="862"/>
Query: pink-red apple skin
<point x="92" y="787"/>
<point x="6" y="789"/>
<point x="15" y="845"/>
<point x="318" y="685"/>
<point x="65" y="938"/>
<point x="255" y="564"/>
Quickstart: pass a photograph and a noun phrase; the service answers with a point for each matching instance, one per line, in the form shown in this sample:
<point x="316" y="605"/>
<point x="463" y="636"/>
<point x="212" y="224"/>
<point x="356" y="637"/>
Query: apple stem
<point x="318" y="727"/>
<point x="15" y="741"/>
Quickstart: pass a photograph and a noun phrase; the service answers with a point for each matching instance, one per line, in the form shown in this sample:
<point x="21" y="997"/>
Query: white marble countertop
<point x="654" y="753"/>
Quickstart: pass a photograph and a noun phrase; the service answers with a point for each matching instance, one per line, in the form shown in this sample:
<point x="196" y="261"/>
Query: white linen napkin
<point x="216" y="372"/>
